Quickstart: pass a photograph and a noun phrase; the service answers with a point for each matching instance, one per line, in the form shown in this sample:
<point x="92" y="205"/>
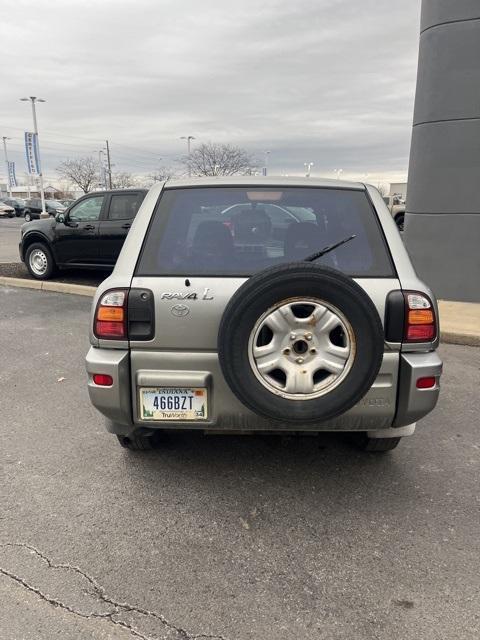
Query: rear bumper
<point x="414" y="403"/>
<point x="114" y="401"/>
<point x="393" y="401"/>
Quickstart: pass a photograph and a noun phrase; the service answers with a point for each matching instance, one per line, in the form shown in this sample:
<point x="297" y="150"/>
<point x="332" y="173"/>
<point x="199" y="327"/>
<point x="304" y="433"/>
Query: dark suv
<point x="33" y="208"/>
<point x="88" y="234"/>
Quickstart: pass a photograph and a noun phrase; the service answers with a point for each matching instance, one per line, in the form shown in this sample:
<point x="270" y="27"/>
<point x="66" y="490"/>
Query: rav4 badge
<point x="186" y="295"/>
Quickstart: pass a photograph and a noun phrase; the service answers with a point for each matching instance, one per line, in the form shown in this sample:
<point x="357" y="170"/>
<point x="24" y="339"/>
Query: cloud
<point x="328" y="81"/>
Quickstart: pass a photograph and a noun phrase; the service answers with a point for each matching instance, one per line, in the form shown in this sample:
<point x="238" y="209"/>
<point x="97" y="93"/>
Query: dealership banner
<point x="31" y="151"/>
<point x="12" y="178"/>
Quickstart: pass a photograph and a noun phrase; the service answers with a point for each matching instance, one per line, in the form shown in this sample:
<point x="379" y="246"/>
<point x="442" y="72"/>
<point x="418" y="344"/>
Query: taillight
<point x="111" y="315"/>
<point x="420" y="321"/>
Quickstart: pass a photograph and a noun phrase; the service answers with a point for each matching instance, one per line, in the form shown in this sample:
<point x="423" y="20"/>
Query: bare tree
<point x="82" y="172"/>
<point x="211" y="159"/>
<point x="123" y="180"/>
<point x="161" y="174"/>
<point x="382" y="188"/>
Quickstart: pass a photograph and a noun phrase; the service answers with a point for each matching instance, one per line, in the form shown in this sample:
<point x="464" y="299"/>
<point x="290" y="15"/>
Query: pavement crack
<point x="49" y="599"/>
<point x="118" y="608"/>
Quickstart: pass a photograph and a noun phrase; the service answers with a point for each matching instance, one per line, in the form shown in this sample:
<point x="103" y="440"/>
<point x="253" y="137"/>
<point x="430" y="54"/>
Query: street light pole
<point x="4" y="138"/>
<point x="33" y="100"/>
<point x="189" y="140"/>
<point x="101" y="171"/>
<point x="109" y="166"/>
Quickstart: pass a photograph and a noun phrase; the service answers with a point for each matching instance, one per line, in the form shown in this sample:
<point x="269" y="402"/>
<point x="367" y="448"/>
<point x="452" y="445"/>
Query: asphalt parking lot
<point x="221" y="537"/>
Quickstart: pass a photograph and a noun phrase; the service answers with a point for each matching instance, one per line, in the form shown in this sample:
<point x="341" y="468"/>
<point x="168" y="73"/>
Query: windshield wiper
<point x="331" y="247"/>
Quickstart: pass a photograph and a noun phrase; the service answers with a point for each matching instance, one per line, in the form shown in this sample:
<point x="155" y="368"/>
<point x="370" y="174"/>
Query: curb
<point x="58" y="287"/>
<point x="447" y="337"/>
<point x="455" y="337"/>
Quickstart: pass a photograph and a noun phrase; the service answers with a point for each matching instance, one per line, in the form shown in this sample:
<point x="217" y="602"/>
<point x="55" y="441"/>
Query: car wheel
<point x="300" y="343"/>
<point x="365" y="443"/>
<point x="39" y="261"/>
<point x="28" y="216"/>
<point x="138" y="442"/>
<point x="400" y="222"/>
<point x="11" y="214"/>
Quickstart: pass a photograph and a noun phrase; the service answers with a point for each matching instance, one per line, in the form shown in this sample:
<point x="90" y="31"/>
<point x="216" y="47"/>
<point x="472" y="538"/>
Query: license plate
<point x="172" y="403"/>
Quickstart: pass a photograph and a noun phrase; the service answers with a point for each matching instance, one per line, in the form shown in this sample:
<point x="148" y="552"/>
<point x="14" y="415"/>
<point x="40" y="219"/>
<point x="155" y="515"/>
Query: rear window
<point x="238" y="231"/>
<point x="124" y="206"/>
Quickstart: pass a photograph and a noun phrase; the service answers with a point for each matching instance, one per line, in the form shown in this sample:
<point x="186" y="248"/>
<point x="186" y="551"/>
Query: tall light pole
<point x="308" y="166"/>
<point x="4" y="138"/>
<point x="101" y="170"/>
<point x="189" y="140"/>
<point x="33" y="100"/>
<point x="109" y="164"/>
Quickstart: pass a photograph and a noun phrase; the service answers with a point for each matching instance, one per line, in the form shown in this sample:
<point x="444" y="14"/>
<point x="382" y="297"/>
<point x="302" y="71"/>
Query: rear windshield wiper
<point x="325" y="250"/>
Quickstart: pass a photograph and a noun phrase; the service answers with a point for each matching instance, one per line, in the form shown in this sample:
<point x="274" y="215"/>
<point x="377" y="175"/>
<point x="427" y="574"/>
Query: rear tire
<point x="375" y="445"/>
<point x="400" y="222"/>
<point x="138" y="443"/>
<point x="39" y="261"/>
<point x="28" y="216"/>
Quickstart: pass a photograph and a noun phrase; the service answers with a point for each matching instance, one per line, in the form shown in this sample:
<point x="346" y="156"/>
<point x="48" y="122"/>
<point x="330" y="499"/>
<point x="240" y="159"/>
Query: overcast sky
<point x="325" y="81"/>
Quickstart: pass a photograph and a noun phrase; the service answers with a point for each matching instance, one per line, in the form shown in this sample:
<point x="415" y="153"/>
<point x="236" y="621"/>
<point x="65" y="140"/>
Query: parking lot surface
<point x="9" y="239"/>
<point x="223" y="537"/>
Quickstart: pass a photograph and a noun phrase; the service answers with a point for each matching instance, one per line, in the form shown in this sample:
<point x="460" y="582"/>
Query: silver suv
<point x="258" y="304"/>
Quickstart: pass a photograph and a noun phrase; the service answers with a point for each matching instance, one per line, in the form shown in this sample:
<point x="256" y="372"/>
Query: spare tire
<point x="300" y="343"/>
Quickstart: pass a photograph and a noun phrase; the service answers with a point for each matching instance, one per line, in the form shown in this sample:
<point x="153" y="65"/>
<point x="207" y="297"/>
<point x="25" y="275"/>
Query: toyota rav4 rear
<point x="258" y="304"/>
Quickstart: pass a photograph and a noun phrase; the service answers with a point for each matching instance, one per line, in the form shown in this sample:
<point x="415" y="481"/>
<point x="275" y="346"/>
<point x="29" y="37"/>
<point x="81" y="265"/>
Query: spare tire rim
<point x="38" y="262"/>
<point x="301" y="348"/>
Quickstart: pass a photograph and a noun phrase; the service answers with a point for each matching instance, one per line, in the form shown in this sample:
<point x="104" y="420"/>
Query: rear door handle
<point x="89" y="227"/>
<point x="126" y="226"/>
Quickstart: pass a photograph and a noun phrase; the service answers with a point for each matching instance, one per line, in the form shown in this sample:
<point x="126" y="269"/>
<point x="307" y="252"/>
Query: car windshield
<point x="239" y="231"/>
<point x="55" y="204"/>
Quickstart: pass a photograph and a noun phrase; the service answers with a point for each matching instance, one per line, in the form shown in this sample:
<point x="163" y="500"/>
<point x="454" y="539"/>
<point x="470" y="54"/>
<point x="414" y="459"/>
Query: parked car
<point x="6" y="211"/>
<point x="89" y="234"/>
<point x="318" y="325"/>
<point x="18" y="204"/>
<point x="33" y="208"/>
<point x="67" y="203"/>
<point x="396" y="206"/>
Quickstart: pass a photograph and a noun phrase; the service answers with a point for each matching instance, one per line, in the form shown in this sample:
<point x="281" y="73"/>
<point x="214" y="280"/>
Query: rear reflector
<point x="426" y="383"/>
<point x="102" y="379"/>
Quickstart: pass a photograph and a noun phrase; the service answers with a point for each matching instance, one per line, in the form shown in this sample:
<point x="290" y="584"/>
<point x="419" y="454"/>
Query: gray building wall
<point x="442" y="224"/>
